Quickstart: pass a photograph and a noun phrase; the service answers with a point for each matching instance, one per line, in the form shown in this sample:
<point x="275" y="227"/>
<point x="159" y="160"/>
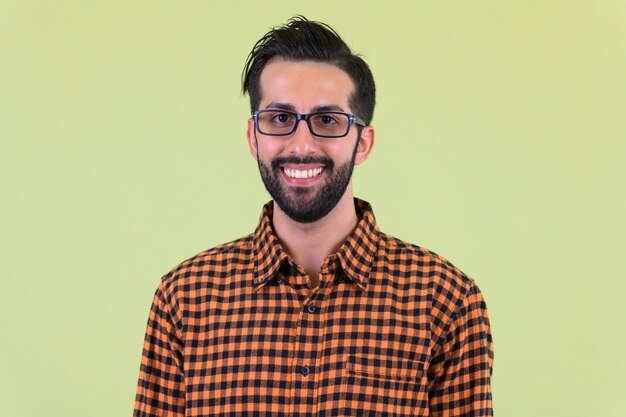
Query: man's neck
<point x="309" y="243"/>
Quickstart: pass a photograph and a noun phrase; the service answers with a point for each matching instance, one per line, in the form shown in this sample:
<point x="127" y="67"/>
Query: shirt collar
<point x="355" y="256"/>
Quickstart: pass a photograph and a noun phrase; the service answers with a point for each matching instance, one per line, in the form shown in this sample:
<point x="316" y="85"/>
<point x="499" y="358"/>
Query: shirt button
<point x="280" y="281"/>
<point x="311" y="308"/>
<point x="305" y="370"/>
<point x="341" y="279"/>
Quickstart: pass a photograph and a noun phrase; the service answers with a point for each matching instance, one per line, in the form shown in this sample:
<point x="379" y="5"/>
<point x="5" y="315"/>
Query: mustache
<point x="322" y="160"/>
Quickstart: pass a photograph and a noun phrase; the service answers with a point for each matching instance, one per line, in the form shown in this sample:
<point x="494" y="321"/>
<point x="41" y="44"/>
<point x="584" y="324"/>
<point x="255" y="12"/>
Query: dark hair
<point x="300" y="40"/>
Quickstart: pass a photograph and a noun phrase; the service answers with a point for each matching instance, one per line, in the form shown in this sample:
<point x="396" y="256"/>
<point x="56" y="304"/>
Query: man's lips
<point x="302" y="171"/>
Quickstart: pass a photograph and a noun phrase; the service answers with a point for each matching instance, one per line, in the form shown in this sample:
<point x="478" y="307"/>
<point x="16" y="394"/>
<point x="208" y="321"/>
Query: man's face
<point x="305" y="175"/>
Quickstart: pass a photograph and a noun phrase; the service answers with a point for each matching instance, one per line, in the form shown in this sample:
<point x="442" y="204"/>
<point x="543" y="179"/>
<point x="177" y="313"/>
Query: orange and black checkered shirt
<point x="392" y="330"/>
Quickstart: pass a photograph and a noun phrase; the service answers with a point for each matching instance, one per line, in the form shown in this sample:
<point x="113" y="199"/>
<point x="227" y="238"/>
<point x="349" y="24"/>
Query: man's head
<point x="300" y="68"/>
<point x="304" y="40"/>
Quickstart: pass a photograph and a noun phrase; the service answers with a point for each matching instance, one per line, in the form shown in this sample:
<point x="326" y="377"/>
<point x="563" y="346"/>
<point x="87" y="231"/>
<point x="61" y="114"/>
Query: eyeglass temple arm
<point x="359" y="121"/>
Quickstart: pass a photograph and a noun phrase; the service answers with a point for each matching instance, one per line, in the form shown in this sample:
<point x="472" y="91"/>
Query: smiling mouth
<point x="305" y="173"/>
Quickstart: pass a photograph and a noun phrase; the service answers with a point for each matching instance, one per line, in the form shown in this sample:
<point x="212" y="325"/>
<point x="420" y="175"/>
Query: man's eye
<point x="327" y="119"/>
<point x="281" y="118"/>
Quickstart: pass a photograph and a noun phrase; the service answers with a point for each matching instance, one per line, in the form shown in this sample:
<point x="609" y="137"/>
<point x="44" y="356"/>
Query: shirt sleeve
<point x="460" y="371"/>
<point x="161" y="386"/>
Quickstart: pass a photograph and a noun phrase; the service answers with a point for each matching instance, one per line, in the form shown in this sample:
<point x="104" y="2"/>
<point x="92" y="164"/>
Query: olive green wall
<point x="500" y="145"/>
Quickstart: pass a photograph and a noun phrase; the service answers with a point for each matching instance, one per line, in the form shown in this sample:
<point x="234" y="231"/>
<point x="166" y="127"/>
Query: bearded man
<point x="317" y="312"/>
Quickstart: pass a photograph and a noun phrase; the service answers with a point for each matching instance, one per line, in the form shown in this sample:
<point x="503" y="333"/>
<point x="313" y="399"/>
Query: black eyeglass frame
<point x="352" y="119"/>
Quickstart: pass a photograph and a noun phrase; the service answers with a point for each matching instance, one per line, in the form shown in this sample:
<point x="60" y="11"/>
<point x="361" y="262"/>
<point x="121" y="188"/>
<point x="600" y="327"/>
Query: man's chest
<point x="342" y="351"/>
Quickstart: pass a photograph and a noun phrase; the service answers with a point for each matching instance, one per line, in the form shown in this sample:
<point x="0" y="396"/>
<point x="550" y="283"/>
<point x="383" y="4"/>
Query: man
<point x="316" y="313"/>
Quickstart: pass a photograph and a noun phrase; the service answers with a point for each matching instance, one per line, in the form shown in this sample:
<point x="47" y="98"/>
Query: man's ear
<point x="251" y="134"/>
<point x="365" y="145"/>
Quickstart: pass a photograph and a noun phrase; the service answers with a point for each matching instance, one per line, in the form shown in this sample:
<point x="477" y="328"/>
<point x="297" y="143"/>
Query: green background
<point x="500" y="145"/>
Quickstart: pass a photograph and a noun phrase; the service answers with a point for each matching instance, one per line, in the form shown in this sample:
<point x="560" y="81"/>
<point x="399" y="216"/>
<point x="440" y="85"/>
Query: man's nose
<point x="302" y="140"/>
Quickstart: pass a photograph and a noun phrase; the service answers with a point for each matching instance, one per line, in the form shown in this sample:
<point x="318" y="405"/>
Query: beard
<point x="307" y="204"/>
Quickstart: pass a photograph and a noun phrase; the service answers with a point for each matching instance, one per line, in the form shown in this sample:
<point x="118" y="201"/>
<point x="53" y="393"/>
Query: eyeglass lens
<point x="321" y="124"/>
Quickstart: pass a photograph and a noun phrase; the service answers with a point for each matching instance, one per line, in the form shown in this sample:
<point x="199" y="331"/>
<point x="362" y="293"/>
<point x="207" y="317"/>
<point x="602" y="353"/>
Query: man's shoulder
<point x="445" y="286"/>
<point x="218" y="261"/>
<point x="425" y="266"/>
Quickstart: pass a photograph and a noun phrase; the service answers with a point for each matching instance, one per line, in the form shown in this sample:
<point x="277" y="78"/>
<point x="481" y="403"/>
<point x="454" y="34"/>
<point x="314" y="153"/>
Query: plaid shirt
<point x="392" y="330"/>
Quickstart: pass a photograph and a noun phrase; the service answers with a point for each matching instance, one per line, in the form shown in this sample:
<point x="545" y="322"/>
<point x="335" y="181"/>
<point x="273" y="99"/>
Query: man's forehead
<point x="305" y="83"/>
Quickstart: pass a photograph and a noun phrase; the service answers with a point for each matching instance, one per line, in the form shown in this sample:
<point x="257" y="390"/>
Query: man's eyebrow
<point x="282" y="106"/>
<point x="291" y="107"/>
<point x="328" y="107"/>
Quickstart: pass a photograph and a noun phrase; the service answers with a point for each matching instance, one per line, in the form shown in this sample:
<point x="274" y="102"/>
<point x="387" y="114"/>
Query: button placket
<point x="307" y="351"/>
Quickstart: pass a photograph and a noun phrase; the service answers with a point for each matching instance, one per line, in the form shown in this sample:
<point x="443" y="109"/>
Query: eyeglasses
<point x="328" y="124"/>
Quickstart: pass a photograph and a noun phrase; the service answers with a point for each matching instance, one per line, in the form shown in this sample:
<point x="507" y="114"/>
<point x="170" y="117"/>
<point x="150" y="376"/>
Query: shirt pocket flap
<point x="394" y="369"/>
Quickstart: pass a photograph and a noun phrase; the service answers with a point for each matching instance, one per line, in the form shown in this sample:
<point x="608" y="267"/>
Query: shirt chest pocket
<point x="383" y="386"/>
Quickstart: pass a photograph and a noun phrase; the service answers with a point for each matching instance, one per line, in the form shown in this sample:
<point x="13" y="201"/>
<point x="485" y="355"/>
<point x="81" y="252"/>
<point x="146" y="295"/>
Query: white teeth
<point x="294" y="173"/>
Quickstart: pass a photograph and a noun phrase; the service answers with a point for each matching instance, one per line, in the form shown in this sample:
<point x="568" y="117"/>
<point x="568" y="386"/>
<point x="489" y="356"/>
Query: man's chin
<point x="302" y="192"/>
<point x="298" y="201"/>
